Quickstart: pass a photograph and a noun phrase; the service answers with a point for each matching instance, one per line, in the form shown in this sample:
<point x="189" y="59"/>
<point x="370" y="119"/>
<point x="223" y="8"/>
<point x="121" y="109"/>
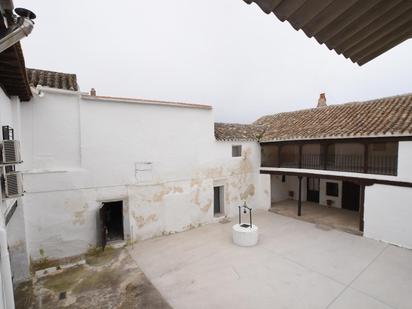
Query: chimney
<point x="322" y="100"/>
<point x="93" y="92"/>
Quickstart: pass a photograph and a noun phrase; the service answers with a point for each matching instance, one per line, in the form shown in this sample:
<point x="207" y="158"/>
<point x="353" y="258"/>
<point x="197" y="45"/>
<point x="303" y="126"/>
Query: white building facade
<point x="158" y="162"/>
<point x="354" y="156"/>
<point x="12" y="217"/>
<point x="103" y="169"/>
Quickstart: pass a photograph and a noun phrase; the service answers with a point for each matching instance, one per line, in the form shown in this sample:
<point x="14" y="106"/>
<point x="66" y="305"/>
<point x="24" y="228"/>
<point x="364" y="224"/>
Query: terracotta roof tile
<point x="52" y="79"/>
<point x="237" y="132"/>
<point x="386" y="116"/>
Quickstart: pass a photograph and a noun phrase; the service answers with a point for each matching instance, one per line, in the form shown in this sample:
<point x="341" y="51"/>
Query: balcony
<point x="372" y="158"/>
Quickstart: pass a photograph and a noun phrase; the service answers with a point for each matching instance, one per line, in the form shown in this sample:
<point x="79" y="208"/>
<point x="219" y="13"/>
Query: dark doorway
<point x="313" y="190"/>
<point x="350" y="196"/>
<point x="111" y="218"/>
<point x="217" y="200"/>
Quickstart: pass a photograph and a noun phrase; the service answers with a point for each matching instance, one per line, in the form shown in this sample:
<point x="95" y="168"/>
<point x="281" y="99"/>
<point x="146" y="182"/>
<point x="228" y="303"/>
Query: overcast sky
<point x="219" y="52"/>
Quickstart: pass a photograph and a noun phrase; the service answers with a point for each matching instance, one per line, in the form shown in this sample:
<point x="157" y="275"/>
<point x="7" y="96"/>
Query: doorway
<point x="218" y="201"/>
<point x="350" y="196"/>
<point x="111" y="218"/>
<point x="313" y="185"/>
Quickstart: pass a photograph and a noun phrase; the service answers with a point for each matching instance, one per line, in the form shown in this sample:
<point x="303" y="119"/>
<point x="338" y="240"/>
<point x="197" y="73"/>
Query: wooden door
<point x="313" y="185"/>
<point x="216" y="200"/>
<point x="350" y="196"/>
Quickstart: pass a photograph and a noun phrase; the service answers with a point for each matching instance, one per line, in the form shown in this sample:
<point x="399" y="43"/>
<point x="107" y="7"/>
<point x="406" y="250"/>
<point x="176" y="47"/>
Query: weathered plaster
<point x="97" y="163"/>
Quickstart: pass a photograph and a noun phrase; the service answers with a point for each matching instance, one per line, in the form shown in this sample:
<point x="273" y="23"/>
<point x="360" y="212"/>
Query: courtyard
<point x="324" y="216"/>
<point x="295" y="265"/>
<point x="106" y="279"/>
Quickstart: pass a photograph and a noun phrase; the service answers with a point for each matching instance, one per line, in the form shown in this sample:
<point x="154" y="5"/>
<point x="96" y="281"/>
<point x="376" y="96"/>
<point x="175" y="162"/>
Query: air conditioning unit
<point x="10" y="152"/>
<point x="13" y="184"/>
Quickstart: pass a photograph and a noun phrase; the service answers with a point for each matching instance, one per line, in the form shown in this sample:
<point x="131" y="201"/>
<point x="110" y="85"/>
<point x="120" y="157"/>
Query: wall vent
<point x="10" y="152"/>
<point x="13" y="185"/>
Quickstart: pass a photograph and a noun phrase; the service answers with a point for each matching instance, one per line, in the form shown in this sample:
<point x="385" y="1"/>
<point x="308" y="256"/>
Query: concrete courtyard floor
<point x="295" y="265"/>
<point x="336" y="218"/>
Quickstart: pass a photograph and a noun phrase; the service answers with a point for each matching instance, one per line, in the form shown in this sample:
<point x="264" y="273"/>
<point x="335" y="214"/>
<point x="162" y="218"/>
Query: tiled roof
<point x="390" y="116"/>
<point x="237" y="132"/>
<point x="52" y="79"/>
<point x="358" y="29"/>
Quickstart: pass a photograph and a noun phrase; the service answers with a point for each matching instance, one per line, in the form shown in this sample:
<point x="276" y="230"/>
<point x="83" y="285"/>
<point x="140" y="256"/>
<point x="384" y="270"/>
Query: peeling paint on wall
<point x="207" y="206"/>
<point x="142" y="221"/>
<point x="79" y="216"/>
<point x="250" y="191"/>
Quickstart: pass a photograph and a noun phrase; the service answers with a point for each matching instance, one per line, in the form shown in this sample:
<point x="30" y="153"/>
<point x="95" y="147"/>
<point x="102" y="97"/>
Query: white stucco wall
<point x="280" y="190"/>
<point x="388" y="214"/>
<point x="51" y="131"/>
<point x="95" y="155"/>
<point x="404" y="160"/>
<point x="16" y="232"/>
<point x="323" y="197"/>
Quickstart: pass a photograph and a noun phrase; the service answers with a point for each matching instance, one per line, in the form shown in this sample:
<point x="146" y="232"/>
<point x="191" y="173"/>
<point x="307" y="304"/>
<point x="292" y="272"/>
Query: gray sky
<point x="219" y="52"/>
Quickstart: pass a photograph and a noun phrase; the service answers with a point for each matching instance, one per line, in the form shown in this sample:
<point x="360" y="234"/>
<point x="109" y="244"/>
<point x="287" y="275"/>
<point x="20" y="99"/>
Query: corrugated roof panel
<point x="359" y="29"/>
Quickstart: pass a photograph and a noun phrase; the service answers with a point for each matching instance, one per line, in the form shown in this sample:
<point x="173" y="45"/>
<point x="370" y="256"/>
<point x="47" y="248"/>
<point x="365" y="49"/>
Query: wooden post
<point x="279" y="152"/>
<point x="325" y="156"/>
<point x="361" y="207"/>
<point x="300" y="197"/>
<point x="365" y="158"/>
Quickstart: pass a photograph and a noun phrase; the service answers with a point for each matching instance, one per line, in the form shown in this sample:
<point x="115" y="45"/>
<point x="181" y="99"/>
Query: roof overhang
<point x="358" y="29"/>
<point x="13" y="77"/>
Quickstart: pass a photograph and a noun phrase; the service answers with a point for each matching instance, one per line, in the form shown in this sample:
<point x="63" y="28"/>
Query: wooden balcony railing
<point x="382" y="164"/>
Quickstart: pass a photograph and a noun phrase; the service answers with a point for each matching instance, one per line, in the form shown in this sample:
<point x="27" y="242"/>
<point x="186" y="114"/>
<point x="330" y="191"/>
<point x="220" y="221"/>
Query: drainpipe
<point x="23" y="28"/>
<point x="5" y="269"/>
<point x="1" y="295"/>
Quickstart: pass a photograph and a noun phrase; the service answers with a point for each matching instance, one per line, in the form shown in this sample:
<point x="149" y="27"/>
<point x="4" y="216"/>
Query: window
<point x="8" y="133"/>
<point x="332" y="189"/>
<point x="236" y="150"/>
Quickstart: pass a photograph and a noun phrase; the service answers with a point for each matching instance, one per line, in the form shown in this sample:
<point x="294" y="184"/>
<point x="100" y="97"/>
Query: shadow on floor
<point x="323" y="216"/>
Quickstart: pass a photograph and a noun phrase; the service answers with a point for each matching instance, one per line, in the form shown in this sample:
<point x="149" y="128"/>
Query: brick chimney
<point x="322" y="100"/>
<point x="93" y="92"/>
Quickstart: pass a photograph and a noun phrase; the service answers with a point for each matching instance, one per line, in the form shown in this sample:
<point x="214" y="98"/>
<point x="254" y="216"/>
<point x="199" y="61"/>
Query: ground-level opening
<point x="329" y="203"/>
<point x="313" y="187"/>
<point x="218" y="207"/>
<point x="350" y="196"/>
<point x="111" y="216"/>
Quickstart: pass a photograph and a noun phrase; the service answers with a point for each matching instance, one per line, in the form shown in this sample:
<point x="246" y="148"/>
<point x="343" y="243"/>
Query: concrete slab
<point x="389" y="278"/>
<point x="354" y="299"/>
<point x="295" y="265"/>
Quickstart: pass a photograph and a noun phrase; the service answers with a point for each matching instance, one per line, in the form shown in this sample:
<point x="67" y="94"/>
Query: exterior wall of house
<point x="280" y="191"/>
<point x="388" y="214"/>
<point x="161" y="161"/>
<point x="16" y="232"/>
<point x="404" y="160"/>
<point x="323" y="197"/>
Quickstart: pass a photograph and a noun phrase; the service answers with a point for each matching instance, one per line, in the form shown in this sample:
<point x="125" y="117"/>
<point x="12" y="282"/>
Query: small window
<point x="332" y="189"/>
<point x="236" y="150"/>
